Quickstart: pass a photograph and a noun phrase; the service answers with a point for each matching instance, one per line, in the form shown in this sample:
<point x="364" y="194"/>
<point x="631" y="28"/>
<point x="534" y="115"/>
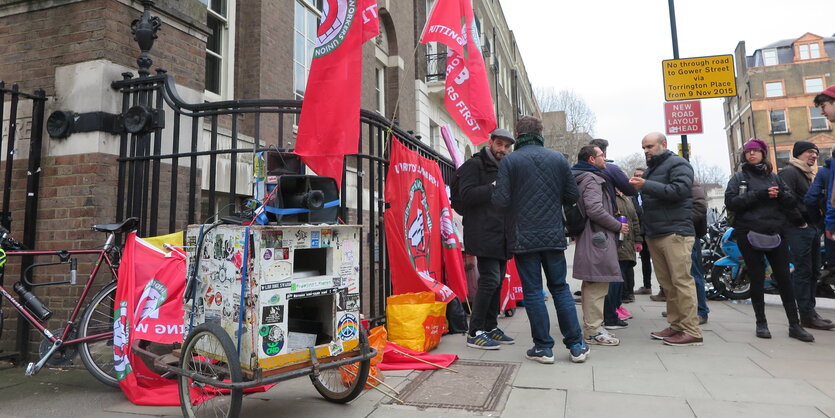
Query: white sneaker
<point x="602" y="338"/>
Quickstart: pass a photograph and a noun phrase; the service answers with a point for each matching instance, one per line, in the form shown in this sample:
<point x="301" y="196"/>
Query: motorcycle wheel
<point x="735" y="288"/>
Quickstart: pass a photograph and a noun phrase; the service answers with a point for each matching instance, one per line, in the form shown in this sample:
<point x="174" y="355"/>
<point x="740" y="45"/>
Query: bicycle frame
<point x="103" y="257"/>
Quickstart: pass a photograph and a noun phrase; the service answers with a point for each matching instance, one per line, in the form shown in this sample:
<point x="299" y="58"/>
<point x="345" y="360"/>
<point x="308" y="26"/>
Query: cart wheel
<point x="200" y="399"/>
<point x="330" y="384"/>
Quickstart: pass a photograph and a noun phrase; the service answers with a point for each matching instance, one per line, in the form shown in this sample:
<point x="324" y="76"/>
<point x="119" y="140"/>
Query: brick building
<point x="83" y="56"/>
<point x="776" y="85"/>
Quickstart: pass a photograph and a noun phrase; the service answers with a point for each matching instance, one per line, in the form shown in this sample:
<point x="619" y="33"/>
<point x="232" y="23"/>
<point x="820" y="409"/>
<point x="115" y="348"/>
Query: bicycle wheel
<point x="97" y="356"/>
<point x="331" y="383"/>
<point x="204" y="400"/>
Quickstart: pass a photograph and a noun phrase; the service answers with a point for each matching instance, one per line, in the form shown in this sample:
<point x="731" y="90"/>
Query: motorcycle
<point x="728" y="274"/>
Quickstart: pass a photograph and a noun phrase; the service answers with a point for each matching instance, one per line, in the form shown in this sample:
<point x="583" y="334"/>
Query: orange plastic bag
<point x="377" y="341"/>
<point x="415" y="320"/>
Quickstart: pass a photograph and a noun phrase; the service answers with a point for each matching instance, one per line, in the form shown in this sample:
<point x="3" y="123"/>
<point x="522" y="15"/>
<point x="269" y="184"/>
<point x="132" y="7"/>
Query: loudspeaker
<point x="280" y="163"/>
<point x="315" y="197"/>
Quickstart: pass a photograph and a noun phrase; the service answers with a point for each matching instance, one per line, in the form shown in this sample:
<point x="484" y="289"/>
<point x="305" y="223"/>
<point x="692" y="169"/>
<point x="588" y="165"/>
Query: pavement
<point x="734" y="374"/>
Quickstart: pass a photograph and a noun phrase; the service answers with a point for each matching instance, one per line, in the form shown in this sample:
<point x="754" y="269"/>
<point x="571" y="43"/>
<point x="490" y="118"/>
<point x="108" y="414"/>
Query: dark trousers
<point x="628" y="278"/>
<point x="755" y="262"/>
<point x="486" y="305"/>
<point x="804" y="244"/>
<point x="646" y="266"/>
<point x="613" y="298"/>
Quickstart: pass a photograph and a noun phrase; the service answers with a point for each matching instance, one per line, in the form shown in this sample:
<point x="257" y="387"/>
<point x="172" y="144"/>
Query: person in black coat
<point x="762" y="206"/>
<point x="486" y="236"/>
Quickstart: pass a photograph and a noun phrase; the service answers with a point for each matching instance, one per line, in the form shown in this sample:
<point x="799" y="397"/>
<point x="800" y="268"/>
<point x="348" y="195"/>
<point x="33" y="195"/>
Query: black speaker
<point x="280" y="163"/>
<point x="304" y="199"/>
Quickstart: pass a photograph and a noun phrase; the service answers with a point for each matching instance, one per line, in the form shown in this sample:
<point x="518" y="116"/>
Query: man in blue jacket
<point x="533" y="185"/>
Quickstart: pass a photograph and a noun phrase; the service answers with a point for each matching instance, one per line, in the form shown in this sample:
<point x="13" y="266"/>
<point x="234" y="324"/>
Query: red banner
<point x="467" y="92"/>
<point x="511" y="287"/>
<point x="423" y="245"/>
<point x="329" y="128"/>
<point x="148" y="307"/>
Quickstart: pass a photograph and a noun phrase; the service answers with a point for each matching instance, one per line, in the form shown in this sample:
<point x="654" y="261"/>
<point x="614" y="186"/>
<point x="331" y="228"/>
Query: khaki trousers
<point x="592" y="297"/>
<point x="671" y="260"/>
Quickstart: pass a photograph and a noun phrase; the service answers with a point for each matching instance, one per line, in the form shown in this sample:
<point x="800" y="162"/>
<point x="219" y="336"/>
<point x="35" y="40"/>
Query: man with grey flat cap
<point x="487" y="237"/>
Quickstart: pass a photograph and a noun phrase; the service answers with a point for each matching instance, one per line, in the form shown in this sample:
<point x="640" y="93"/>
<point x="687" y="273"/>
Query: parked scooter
<point x="728" y="274"/>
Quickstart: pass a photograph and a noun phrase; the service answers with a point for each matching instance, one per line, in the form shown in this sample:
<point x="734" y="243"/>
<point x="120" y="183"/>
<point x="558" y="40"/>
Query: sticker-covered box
<point x="280" y="288"/>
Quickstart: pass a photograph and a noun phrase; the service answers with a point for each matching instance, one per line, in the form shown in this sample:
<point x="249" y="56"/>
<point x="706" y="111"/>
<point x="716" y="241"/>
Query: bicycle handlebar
<point x="7" y="242"/>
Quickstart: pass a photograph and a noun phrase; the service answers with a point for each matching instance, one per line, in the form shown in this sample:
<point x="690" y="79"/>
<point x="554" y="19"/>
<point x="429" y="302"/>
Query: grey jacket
<point x="596" y="250"/>
<point x="534" y="183"/>
<point x="667" y="197"/>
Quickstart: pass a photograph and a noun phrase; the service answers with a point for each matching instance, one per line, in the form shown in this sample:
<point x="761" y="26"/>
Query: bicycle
<point x="92" y="337"/>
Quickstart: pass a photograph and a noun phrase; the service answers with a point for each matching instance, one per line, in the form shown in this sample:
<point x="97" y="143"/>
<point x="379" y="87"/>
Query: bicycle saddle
<point x="126" y="225"/>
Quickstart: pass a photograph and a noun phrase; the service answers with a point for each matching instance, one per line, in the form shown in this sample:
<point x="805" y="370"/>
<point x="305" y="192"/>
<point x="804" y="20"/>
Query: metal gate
<point x="20" y="184"/>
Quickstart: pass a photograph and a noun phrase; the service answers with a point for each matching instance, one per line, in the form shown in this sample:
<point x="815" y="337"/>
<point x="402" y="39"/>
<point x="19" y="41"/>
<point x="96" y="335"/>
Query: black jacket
<point x="799" y="184"/>
<point x="699" y="210"/>
<point x="754" y="210"/>
<point x="534" y="183"/>
<point x="667" y="197"/>
<point x="485" y="234"/>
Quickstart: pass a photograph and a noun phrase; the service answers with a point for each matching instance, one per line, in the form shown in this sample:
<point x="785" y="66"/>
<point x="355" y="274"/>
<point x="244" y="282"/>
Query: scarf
<point x="808" y="171"/>
<point x="527" y="139"/>
<point x="585" y="166"/>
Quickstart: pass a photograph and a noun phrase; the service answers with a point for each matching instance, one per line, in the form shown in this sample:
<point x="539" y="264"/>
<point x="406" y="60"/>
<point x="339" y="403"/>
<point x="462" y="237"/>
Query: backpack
<point x="574" y="219"/>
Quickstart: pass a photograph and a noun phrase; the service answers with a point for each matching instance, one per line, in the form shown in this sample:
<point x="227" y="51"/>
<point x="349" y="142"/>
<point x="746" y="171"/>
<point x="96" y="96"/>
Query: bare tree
<point x="631" y="162"/>
<point x="579" y="118"/>
<point x="708" y="174"/>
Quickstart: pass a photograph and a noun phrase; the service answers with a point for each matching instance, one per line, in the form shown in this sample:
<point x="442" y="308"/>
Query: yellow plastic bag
<point x="415" y="320"/>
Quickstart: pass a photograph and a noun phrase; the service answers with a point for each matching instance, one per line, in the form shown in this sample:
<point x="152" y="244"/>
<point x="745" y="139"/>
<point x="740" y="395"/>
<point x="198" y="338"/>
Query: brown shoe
<point x="660" y="335"/>
<point x="682" y="339"/>
<point x="817" y="322"/>
<point x="643" y="291"/>
<point x="660" y="297"/>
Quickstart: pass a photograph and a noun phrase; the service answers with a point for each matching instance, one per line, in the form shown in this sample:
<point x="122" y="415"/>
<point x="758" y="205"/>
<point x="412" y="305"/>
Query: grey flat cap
<point x="503" y="133"/>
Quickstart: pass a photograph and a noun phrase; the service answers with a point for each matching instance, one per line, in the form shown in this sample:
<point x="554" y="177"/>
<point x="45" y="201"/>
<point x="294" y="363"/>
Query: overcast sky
<point x="609" y="53"/>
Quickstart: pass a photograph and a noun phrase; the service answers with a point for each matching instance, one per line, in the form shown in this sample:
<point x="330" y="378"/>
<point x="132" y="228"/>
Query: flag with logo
<point x="467" y="92"/>
<point x="421" y="238"/>
<point x="329" y="125"/>
<point x="148" y="307"/>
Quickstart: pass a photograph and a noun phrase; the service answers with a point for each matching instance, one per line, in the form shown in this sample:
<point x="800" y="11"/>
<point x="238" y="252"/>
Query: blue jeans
<point x="699" y="277"/>
<point x="530" y="266"/>
<point x="804" y="243"/>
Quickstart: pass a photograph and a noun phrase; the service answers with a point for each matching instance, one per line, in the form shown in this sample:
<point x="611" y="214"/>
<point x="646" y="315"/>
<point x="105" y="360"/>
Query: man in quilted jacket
<point x="533" y="185"/>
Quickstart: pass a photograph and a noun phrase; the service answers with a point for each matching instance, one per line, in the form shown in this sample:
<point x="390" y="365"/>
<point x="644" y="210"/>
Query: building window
<point x="778" y="122"/>
<point x="774" y="89"/>
<point x="770" y="57"/>
<point x="380" y="90"/>
<point x="817" y="121"/>
<point x="219" y="57"/>
<point x="814" y="84"/>
<point x="809" y="51"/>
<point x="782" y="159"/>
<point x="305" y="24"/>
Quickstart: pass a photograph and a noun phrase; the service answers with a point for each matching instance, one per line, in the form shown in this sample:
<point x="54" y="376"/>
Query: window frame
<point x="815" y="114"/>
<point x="312" y="8"/>
<point x="774" y="82"/>
<point x="771" y="121"/>
<point x="768" y="51"/>
<point x="817" y="77"/>
<point x="227" y="56"/>
<point x="807" y="48"/>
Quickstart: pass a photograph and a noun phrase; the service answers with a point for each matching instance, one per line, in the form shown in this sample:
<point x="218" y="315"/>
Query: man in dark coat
<point x="803" y="236"/>
<point x="486" y="237"/>
<point x="668" y="224"/>
<point x="534" y="183"/>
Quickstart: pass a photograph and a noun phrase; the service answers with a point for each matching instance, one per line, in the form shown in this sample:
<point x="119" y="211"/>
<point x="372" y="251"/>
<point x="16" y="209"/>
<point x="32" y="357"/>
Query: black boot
<point x="762" y="330"/>
<point x="796" y="331"/>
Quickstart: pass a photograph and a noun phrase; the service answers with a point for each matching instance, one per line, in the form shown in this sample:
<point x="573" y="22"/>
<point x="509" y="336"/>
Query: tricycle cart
<point x="265" y="304"/>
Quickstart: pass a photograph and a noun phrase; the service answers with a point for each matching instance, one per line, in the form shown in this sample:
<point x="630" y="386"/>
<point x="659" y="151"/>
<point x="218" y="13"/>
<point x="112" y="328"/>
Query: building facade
<point x="776" y="86"/>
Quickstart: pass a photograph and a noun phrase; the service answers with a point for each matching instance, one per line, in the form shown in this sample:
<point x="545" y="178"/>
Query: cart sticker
<point x="341" y="300"/>
<point x="272" y="314"/>
<point x="326" y="238"/>
<point x="352" y="302"/>
<point x="277" y="270"/>
<point x="272" y="339"/>
<point x="227" y="309"/>
<point x="311" y="293"/>
<point x="301" y="239"/>
<point x="336" y="348"/>
<point x="268" y="254"/>
<point x="300" y="285"/>
<point x="274" y="299"/>
<point x="314" y="239"/>
<point x="347" y="327"/>
<point x="273" y="286"/>
<point x="271" y="239"/>
<point x="218" y="298"/>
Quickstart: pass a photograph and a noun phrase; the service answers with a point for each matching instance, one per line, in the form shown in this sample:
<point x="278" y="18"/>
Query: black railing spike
<point x="144" y="32"/>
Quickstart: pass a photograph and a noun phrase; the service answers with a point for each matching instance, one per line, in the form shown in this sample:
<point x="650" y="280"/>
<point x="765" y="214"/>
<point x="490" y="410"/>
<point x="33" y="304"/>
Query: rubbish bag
<point x="416" y="320"/>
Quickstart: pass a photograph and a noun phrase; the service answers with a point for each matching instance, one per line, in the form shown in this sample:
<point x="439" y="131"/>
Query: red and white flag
<point x="467" y="93"/>
<point x="329" y="125"/>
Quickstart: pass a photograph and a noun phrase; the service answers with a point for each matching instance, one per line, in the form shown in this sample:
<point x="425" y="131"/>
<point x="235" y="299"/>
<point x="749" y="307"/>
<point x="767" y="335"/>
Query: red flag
<point x="149" y="307"/>
<point x="467" y="93"/>
<point x="395" y="359"/>
<point x="329" y="125"/>
<point x="419" y="231"/>
<point x="511" y="287"/>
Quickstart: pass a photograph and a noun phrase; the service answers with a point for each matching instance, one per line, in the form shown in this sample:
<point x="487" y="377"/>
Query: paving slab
<point x="653" y="383"/>
<point x="764" y="390"/>
<point x="560" y="375"/>
<point x="533" y="402"/>
<point x="700" y="363"/>
<point x="798" y="369"/>
<point x="580" y="404"/>
<point x="711" y="408"/>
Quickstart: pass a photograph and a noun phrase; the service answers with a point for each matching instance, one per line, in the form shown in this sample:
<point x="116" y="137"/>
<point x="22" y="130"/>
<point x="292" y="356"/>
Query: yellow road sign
<point x="699" y="78"/>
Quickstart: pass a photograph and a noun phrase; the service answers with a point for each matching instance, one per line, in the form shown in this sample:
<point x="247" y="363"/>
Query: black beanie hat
<point x="801" y="146"/>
